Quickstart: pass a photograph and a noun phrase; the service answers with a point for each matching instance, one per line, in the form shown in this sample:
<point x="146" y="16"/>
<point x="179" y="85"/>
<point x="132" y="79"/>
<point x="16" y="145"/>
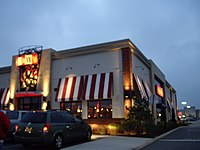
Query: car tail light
<point x="45" y="128"/>
<point x="16" y="127"/>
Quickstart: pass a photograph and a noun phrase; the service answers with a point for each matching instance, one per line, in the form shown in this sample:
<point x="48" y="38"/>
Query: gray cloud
<point x="165" y="31"/>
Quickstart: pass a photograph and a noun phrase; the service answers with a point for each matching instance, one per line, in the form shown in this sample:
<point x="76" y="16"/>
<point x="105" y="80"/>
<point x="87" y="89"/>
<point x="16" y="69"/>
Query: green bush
<point x="113" y="128"/>
<point x="102" y="130"/>
<point x="138" y="117"/>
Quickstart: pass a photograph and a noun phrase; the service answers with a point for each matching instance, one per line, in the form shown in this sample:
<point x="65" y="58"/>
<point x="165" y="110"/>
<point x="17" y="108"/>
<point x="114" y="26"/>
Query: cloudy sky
<point x="166" y="31"/>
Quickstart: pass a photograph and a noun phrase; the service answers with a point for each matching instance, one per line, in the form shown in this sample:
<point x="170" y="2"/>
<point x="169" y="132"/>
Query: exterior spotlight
<point x="188" y="107"/>
<point x="96" y="65"/>
<point x="183" y="103"/>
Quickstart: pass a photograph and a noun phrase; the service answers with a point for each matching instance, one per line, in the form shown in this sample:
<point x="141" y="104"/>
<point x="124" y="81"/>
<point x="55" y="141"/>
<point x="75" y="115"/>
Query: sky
<point x="168" y="32"/>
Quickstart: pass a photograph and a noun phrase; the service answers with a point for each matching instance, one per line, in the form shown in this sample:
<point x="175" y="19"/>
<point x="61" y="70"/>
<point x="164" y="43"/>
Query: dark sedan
<point x="51" y="127"/>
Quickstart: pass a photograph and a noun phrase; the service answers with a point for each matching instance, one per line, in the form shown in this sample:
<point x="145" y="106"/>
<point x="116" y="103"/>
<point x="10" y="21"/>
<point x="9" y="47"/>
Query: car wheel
<point x="58" y="141"/>
<point x="88" y="135"/>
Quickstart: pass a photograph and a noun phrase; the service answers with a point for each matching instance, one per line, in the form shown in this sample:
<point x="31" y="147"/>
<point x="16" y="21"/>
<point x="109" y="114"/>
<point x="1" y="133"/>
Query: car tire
<point x="88" y="135"/>
<point x="58" y="141"/>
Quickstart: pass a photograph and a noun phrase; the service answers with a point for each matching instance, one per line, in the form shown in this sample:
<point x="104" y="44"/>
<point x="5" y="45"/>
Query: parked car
<point x="15" y="117"/>
<point x="51" y="127"/>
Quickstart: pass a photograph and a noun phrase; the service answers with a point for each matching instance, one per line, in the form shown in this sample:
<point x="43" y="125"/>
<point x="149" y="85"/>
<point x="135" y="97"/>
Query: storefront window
<point x="74" y="108"/>
<point x="29" y="103"/>
<point x="159" y="100"/>
<point x="100" y="109"/>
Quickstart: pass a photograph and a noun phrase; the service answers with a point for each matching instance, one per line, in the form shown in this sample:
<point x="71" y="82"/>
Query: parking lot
<point x="98" y="142"/>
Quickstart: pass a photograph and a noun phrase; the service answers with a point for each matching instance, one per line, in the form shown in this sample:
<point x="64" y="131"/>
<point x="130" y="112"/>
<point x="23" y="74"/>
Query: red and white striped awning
<point x="140" y="87"/>
<point x="169" y="104"/>
<point x="149" y="93"/>
<point x="69" y="89"/>
<point x="88" y="87"/>
<point x="98" y="86"/>
<point x="4" y="96"/>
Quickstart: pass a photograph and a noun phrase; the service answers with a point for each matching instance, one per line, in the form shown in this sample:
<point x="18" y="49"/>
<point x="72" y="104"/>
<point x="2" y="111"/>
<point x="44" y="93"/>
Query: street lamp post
<point x="184" y="104"/>
<point x="188" y="107"/>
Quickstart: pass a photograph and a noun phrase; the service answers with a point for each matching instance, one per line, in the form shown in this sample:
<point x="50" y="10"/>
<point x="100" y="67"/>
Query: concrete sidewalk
<point x="106" y="142"/>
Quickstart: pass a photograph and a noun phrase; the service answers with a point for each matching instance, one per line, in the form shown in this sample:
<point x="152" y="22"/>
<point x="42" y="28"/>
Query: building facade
<point x="97" y="82"/>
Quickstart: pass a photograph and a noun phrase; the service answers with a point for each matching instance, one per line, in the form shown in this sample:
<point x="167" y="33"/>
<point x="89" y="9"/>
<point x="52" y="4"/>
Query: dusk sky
<point x="166" y="31"/>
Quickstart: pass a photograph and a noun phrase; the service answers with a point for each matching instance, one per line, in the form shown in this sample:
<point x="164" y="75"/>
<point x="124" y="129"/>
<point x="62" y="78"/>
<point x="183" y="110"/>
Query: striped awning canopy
<point x="4" y="96"/>
<point x="147" y="88"/>
<point x="98" y="86"/>
<point x="88" y="87"/>
<point x="69" y="88"/>
<point x="143" y="87"/>
<point x="169" y="104"/>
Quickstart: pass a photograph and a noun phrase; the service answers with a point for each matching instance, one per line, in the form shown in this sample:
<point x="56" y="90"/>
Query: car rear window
<point x="35" y="117"/>
<point x="12" y="114"/>
<point x="23" y="113"/>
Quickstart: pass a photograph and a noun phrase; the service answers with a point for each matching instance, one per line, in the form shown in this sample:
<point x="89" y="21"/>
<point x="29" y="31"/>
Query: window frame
<point x="99" y="114"/>
<point x="64" y="104"/>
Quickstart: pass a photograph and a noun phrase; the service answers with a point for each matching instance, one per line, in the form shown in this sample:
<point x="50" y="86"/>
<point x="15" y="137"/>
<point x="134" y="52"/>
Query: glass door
<point x="29" y="103"/>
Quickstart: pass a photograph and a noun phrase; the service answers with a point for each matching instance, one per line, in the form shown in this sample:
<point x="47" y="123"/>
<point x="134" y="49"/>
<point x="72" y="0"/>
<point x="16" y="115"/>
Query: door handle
<point x="68" y="127"/>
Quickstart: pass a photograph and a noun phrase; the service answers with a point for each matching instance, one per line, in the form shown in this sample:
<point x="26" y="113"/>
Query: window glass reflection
<point x="100" y="109"/>
<point x="74" y="108"/>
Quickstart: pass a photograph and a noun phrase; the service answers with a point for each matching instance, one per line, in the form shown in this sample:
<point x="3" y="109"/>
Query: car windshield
<point x="35" y="117"/>
<point x="12" y="114"/>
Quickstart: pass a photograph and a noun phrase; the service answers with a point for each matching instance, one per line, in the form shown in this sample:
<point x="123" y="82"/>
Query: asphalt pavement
<point x="183" y="138"/>
<point x="106" y="142"/>
<point x="173" y="140"/>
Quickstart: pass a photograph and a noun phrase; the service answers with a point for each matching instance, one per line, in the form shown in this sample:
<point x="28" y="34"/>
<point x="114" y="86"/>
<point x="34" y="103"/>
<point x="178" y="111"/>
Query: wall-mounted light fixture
<point x="11" y="106"/>
<point x="68" y="68"/>
<point x="44" y="105"/>
<point x="96" y="65"/>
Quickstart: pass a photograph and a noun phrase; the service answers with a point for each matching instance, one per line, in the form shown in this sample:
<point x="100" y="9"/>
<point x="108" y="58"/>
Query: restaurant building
<point x="97" y="82"/>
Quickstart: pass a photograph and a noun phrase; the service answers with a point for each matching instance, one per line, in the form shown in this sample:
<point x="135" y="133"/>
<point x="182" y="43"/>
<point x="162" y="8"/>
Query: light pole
<point x="188" y="107"/>
<point x="184" y="104"/>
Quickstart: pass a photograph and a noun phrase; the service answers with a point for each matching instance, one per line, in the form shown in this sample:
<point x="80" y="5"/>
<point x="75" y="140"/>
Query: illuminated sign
<point x="28" y="64"/>
<point x="28" y="77"/>
<point x="159" y="90"/>
<point x="27" y="59"/>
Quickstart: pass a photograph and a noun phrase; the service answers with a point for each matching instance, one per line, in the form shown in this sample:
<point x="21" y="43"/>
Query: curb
<point x="157" y="138"/>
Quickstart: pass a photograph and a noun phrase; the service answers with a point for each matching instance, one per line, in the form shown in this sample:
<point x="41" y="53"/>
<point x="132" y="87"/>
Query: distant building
<point x="197" y="113"/>
<point x="189" y="112"/>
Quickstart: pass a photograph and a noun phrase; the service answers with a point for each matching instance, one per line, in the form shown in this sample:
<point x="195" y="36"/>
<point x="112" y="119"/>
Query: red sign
<point x="27" y="94"/>
<point x="27" y="59"/>
<point x="159" y="90"/>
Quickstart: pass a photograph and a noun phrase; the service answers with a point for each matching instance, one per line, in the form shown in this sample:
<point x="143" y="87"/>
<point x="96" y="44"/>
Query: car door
<point x="70" y="126"/>
<point x="80" y="128"/>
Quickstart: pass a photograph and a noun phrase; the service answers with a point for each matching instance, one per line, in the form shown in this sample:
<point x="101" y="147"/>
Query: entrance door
<point x="29" y="103"/>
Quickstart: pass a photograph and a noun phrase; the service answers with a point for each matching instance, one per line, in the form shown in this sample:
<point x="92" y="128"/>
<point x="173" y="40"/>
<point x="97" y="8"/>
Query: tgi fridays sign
<point x="159" y="90"/>
<point x="28" y="64"/>
<point x="30" y="59"/>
